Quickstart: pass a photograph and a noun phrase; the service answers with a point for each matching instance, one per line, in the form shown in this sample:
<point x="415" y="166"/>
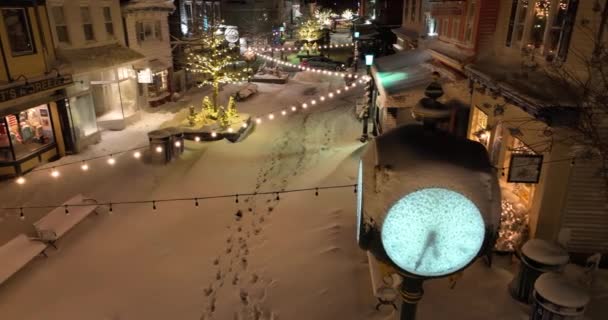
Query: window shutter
<point x="511" y="23"/>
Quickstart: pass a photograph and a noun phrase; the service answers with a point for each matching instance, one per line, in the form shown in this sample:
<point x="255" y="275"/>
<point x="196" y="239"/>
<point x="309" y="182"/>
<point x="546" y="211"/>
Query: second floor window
<point x="61" y="27"/>
<point x="148" y="30"/>
<point x="107" y="18"/>
<point x="87" y="23"/>
<point x="413" y="15"/>
<point x="18" y="30"/>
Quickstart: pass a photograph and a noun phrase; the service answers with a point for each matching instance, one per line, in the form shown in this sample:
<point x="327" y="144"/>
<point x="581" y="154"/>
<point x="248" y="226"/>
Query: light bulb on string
<point x="271" y="116"/>
<point x="304" y="106"/>
<point x="55" y="173"/>
<point x="20" y="180"/>
<point x="293" y="108"/>
<point x="244" y="125"/>
<point x="230" y="130"/>
<point x="283" y="112"/>
<point x="213" y="134"/>
<point x="159" y="149"/>
<point x="84" y="166"/>
<point x="136" y="154"/>
<point x="111" y="160"/>
<point x="330" y="95"/>
<point x="338" y="91"/>
<point x="258" y="120"/>
<point x="322" y="98"/>
<point x="313" y="102"/>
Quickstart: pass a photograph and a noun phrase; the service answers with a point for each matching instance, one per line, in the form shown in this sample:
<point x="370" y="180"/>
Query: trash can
<point x="177" y="141"/>
<point x="160" y="146"/>
<point x="537" y="257"/>
<point x="558" y="298"/>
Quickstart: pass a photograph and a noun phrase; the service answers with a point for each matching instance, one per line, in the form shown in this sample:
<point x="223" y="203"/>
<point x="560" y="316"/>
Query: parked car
<point x="323" y="63"/>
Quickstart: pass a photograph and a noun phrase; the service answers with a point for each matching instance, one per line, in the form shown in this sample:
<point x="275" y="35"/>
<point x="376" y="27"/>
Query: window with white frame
<point x="61" y="27"/>
<point x="148" y="30"/>
<point x="18" y="29"/>
<point x="468" y="33"/>
<point x="107" y="19"/>
<point x="544" y="24"/>
<point x="189" y="14"/>
<point x="455" y="28"/>
<point x="87" y="23"/>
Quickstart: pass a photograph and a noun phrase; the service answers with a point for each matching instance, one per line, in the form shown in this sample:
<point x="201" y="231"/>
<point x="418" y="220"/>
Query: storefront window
<point x="115" y="94"/>
<point x="28" y="131"/>
<point x="479" y="127"/>
<point x="525" y="191"/>
<point x="5" y="146"/>
<point x="82" y="112"/>
<point x="160" y="84"/>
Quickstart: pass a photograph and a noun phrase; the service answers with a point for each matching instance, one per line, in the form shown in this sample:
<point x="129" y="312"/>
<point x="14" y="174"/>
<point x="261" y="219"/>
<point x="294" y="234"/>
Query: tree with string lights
<point x="216" y="63"/>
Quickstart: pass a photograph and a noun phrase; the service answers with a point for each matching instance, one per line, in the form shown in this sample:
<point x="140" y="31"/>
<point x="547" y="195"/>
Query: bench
<point x="16" y="253"/>
<point x="384" y="282"/>
<point x="59" y="221"/>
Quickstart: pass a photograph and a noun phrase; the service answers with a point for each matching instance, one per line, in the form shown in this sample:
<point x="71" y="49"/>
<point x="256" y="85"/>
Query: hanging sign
<point x="35" y="87"/>
<point x="144" y="76"/>
<point x="525" y="168"/>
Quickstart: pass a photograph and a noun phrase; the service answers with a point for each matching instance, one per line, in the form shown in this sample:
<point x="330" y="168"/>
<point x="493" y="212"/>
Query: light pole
<point x="369" y="94"/>
<point x="356" y="53"/>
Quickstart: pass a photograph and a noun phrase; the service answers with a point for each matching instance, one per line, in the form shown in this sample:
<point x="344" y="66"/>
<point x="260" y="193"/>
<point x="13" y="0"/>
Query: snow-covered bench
<point x="59" y="221"/>
<point x="16" y="253"/>
<point x="384" y="283"/>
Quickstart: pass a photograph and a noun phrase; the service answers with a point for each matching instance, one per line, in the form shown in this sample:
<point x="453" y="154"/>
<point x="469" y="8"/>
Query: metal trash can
<point x="558" y="298"/>
<point x="160" y="146"/>
<point x="537" y="257"/>
<point x="177" y="141"/>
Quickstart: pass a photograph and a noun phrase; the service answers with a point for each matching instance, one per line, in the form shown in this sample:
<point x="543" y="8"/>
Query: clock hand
<point x="431" y="238"/>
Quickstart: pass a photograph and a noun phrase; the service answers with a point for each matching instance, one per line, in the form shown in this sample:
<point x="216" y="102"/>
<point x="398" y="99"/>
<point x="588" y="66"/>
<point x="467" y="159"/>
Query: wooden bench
<point x="384" y="282"/>
<point x="16" y="253"/>
<point x="59" y="221"/>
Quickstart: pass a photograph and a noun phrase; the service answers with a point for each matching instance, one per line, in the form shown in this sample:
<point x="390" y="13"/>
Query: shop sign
<point x="29" y="88"/>
<point x="525" y="168"/>
<point x="144" y="76"/>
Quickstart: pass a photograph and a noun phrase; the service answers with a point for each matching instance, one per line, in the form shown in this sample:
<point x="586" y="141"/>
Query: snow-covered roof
<point x="134" y="5"/>
<point x="401" y="71"/>
<point x="532" y="89"/>
<point x="411" y="158"/>
<point x="89" y="59"/>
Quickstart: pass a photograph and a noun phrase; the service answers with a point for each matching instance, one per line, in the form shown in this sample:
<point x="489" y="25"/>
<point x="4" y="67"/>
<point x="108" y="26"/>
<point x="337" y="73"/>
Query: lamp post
<point x="369" y="60"/>
<point x="356" y="53"/>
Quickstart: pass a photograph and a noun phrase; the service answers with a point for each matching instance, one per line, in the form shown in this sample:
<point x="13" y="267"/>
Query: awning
<point x="96" y="58"/>
<point x="154" y="65"/>
<point x="397" y="74"/>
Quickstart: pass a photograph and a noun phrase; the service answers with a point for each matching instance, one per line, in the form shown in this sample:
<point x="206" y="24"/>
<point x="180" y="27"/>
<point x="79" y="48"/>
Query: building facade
<point x="147" y="31"/>
<point x="526" y="121"/>
<point x="90" y="40"/>
<point x="33" y="115"/>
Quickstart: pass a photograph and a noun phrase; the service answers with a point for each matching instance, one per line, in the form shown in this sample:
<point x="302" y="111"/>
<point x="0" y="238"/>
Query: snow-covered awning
<point x="154" y="65"/>
<point x="397" y="74"/>
<point x="97" y="58"/>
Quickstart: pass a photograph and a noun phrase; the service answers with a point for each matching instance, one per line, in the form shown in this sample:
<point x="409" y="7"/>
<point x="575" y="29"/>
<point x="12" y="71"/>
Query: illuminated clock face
<point x="359" y="200"/>
<point x="433" y="232"/>
<point x="231" y="35"/>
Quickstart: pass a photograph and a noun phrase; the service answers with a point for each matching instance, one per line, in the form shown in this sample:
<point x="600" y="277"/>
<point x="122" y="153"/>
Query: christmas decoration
<point x="215" y="61"/>
<point x="310" y="30"/>
<point x="348" y="14"/>
<point x="513" y="231"/>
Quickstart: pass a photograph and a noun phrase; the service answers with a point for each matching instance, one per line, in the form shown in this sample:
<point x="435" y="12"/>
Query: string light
<point x="111" y="160"/>
<point x="283" y="112"/>
<point x="304" y="106"/>
<point x="20" y="180"/>
<point x="213" y="134"/>
<point x="136" y="154"/>
<point x="258" y="120"/>
<point x="244" y="125"/>
<point x="84" y="166"/>
<point x="293" y="108"/>
<point x="55" y="173"/>
<point x="230" y="130"/>
<point x="271" y="116"/>
<point x="197" y="139"/>
<point x="159" y="149"/>
<point x="178" y="144"/>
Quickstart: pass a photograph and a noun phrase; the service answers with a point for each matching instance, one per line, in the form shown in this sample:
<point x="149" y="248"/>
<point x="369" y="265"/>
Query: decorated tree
<point x="215" y="62"/>
<point x="310" y="30"/>
<point x="348" y="14"/>
<point x="323" y="16"/>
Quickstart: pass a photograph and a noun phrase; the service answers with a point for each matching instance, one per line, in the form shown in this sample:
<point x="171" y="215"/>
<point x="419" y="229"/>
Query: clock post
<point x="411" y="292"/>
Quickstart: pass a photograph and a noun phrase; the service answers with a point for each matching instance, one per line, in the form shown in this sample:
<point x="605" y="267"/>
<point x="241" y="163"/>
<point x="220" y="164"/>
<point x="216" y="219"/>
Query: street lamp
<point x="369" y="60"/>
<point x="357" y="34"/>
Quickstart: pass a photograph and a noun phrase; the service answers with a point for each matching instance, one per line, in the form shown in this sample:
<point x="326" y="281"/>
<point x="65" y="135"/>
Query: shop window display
<point x="28" y="131"/>
<point x="115" y="94"/>
<point x="5" y="146"/>
<point x="82" y="112"/>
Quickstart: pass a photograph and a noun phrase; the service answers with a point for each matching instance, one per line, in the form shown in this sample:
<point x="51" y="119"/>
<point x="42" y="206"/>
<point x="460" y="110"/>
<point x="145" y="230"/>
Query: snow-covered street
<point x="294" y="257"/>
